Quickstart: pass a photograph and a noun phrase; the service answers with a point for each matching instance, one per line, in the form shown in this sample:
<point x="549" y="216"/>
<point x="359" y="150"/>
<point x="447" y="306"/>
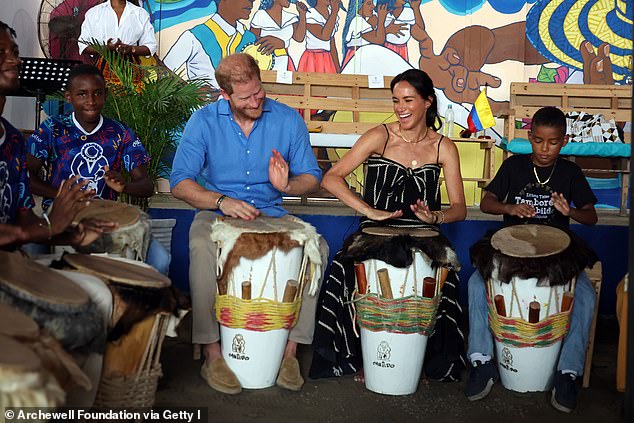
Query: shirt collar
<point x="225" y="26"/>
<point x="78" y="125"/>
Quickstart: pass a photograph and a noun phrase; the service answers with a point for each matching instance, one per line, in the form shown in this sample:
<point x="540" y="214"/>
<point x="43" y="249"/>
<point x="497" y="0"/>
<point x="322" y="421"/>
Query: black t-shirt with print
<point x="515" y="183"/>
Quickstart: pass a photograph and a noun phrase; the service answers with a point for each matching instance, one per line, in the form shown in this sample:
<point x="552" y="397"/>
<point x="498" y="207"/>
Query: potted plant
<point x="154" y="102"/>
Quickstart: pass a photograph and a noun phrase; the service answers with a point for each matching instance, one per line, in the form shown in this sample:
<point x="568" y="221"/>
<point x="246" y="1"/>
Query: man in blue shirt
<point x="249" y="151"/>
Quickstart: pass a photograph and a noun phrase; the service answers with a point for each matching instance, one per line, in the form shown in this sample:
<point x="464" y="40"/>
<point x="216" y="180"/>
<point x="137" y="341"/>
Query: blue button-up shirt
<point x="215" y="151"/>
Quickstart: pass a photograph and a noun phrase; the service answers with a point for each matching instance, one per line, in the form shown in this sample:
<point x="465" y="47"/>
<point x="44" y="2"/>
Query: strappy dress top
<point x="391" y="186"/>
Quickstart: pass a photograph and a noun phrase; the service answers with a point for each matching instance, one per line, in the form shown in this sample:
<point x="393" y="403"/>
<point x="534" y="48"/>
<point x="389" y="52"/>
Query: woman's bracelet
<point x="439" y="217"/>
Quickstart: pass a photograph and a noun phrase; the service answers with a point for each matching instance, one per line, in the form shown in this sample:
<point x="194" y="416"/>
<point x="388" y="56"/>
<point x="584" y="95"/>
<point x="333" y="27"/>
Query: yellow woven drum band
<point x="518" y="333"/>
<point x="258" y="314"/>
<point x="411" y="314"/>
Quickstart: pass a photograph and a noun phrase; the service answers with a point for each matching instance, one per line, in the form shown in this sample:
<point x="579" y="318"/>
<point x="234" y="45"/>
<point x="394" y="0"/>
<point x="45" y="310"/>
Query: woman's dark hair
<point x="424" y="86"/>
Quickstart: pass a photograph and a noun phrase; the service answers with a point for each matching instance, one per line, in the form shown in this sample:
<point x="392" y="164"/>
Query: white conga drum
<point x="396" y="312"/>
<point x="530" y="287"/>
<point x="143" y="302"/>
<point x="264" y="266"/>
<point x="130" y="240"/>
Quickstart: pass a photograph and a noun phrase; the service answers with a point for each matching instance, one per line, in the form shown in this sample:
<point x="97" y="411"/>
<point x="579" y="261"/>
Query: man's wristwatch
<point x="219" y="201"/>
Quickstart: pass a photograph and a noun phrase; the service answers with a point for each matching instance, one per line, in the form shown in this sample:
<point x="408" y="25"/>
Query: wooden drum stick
<point x="384" y="281"/>
<point x="362" y="281"/>
<point x="246" y="290"/>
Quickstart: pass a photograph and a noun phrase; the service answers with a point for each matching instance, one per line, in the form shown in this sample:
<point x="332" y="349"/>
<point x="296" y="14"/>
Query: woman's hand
<point x="422" y="212"/>
<point x="380" y="215"/>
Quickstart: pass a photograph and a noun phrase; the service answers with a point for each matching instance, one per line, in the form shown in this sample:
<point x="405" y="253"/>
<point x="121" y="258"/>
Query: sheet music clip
<point x="41" y="77"/>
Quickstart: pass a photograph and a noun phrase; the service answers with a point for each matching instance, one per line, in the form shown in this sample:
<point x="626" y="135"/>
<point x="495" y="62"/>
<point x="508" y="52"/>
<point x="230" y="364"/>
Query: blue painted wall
<point x="610" y="243"/>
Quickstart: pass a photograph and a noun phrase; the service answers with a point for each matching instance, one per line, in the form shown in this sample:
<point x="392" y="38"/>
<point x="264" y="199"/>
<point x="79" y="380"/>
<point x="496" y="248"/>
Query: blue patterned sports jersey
<point x="66" y="150"/>
<point x="15" y="193"/>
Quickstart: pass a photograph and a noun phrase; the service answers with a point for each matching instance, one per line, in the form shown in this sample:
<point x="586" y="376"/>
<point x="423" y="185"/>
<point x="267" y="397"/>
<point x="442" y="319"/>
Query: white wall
<point x="21" y="15"/>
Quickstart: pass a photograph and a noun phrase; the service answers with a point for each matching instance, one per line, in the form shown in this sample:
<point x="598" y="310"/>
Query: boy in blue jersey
<point x="18" y="223"/>
<point x="92" y="147"/>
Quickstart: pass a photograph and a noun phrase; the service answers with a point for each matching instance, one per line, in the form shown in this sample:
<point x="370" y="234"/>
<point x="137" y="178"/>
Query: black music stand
<point x="41" y="77"/>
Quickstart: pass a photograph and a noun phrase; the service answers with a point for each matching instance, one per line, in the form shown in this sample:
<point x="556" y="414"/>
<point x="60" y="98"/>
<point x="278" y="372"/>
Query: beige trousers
<point x="203" y="286"/>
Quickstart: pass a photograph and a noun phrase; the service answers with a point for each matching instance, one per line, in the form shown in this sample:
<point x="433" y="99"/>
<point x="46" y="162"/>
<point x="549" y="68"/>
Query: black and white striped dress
<point x="337" y="348"/>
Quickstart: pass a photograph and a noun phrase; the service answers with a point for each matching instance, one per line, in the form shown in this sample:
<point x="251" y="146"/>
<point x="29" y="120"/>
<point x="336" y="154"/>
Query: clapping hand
<point x="114" y="179"/>
<point x="560" y="203"/>
<point x="278" y="172"/>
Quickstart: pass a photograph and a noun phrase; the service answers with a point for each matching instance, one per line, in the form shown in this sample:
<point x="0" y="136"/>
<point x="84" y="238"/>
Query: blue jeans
<point x="158" y="257"/>
<point x="573" y="350"/>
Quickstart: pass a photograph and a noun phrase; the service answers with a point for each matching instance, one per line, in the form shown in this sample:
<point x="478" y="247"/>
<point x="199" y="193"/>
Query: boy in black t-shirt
<point x="545" y="189"/>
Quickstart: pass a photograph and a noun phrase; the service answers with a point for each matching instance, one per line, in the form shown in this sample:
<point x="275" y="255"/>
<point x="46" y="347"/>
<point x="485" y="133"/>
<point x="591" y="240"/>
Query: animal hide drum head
<point x="118" y="271"/>
<point x="32" y="281"/>
<point x="111" y="211"/>
<point x="388" y="231"/>
<point x="530" y="241"/>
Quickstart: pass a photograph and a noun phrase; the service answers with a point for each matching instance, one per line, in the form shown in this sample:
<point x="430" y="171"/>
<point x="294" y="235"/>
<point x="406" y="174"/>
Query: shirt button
<point x="248" y="173"/>
<point x="253" y="201"/>
<point x="248" y="151"/>
<point x="248" y="188"/>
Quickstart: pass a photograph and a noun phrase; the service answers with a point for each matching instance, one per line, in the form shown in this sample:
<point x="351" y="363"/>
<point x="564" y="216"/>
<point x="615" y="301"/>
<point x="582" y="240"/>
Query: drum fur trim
<point x="397" y="250"/>
<point x="252" y="246"/>
<point x="557" y="269"/>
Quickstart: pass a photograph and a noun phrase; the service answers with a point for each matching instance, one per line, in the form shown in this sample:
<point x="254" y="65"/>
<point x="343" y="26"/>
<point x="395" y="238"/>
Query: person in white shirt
<point x="321" y="24"/>
<point x="275" y="27"/>
<point x="201" y="48"/>
<point x="359" y="32"/>
<point x="405" y="15"/>
<point x="122" y="25"/>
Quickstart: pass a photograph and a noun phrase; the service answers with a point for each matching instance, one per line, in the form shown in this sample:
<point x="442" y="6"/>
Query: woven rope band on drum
<point x="518" y="333"/>
<point x="258" y="315"/>
<point x="411" y="314"/>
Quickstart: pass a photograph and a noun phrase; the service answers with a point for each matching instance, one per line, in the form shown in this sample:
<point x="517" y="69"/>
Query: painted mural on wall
<point x="463" y="45"/>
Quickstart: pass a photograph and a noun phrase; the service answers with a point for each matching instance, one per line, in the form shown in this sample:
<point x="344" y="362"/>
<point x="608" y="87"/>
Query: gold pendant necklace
<point x="400" y="134"/>
<point x="549" y="176"/>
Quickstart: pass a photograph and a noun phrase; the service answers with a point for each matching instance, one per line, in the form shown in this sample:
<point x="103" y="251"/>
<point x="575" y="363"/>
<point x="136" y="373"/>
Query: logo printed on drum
<point x="238" y="348"/>
<point x="507" y="360"/>
<point x="383" y="354"/>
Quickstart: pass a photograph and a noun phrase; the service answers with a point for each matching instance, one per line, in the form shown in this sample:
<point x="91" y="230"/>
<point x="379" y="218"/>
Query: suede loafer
<point x="220" y="377"/>
<point x="290" y="377"/>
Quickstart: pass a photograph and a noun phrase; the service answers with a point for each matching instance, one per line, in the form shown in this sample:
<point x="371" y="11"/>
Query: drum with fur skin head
<point x="524" y="280"/>
<point x="266" y="253"/>
<point x="393" y="346"/>
<point x="143" y="301"/>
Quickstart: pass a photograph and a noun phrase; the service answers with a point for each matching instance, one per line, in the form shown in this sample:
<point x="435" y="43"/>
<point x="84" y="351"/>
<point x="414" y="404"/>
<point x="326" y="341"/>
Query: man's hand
<point x="523" y="211"/>
<point x="11" y="233"/>
<point x="70" y="199"/>
<point x="114" y="179"/>
<point x="238" y="209"/>
<point x="278" y="172"/>
<point x="89" y="230"/>
<point x="560" y="203"/>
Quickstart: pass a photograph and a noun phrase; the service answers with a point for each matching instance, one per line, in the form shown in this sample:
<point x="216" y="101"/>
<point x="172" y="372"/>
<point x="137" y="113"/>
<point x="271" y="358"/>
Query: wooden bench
<point x="612" y="101"/>
<point x="359" y="108"/>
